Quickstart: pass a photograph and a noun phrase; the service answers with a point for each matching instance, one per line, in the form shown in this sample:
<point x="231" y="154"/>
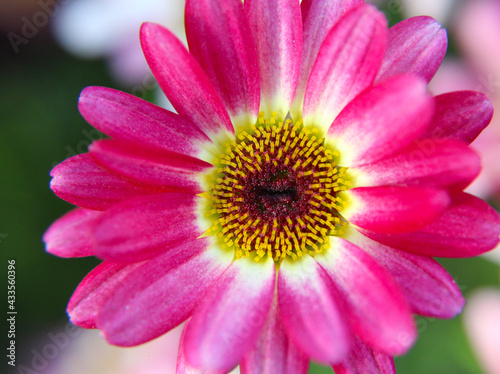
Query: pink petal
<point x="469" y="227"/>
<point x="415" y="46"/>
<point x="381" y="121"/>
<point x="141" y="228"/>
<point x="146" y="167"/>
<point x="161" y="293"/>
<point x="309" y="310"/>
<point x="79" y="181"/>
<point x="219" y="37"/>
<point x="319" y="16"/>
<point x="377" y="309"/>
<point x="95" y="290"/>
<point x="127" y="118"/>
<point x="279" y="46"/>
<point x="228" y="322"/>
<point x="426" y="285"/>
<point x="347" y="63"/>
<point x="393" y="209"/>
<point x="274" y="352"/>
<point x="184" y="367"/>
<point x="364" y="360"/>
<point x="427" y="162"/>
<point x="69" y="236"/>
<point x="182" y="79"/>
<point x="460" y="115"/>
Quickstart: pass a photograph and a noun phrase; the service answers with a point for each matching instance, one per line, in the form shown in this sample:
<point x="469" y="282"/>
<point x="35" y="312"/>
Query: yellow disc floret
<point x="275" y="191"/>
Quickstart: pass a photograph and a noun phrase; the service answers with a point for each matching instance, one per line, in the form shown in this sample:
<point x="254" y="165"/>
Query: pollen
<point x="274" y="191"/>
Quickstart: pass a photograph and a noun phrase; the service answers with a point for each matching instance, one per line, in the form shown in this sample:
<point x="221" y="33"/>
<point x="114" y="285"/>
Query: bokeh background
<point x="43" y="68"/>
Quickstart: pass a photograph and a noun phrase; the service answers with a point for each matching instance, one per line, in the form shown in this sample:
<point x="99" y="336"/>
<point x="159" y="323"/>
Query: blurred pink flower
<point x="477" y="27"/>
<point x="292" y="208"/>
<point x="108" y="28"/>
<point x="452" y="76"/>
<point x="482" y="323"/>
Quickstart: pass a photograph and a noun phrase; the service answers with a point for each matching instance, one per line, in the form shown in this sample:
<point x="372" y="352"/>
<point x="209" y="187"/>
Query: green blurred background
<point x="41" y="126"/>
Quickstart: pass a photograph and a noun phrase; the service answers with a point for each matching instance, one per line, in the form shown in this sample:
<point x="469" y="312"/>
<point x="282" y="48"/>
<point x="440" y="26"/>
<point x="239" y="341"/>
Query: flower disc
<point x="275" y="191"/>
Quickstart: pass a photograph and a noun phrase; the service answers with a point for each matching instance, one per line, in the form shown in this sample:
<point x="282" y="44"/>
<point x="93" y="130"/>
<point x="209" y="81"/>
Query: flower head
<point x="289" y="211"/>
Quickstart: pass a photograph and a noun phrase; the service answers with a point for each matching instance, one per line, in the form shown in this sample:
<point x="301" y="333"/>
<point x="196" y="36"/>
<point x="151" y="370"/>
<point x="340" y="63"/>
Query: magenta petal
<point x="161" y="293"/>
<point x="347" y="63"/>
<point x="393" y="209"/>
<point x="146" y="167"/>
<point x="427" y="162"/>
<point x="69" y="236"/>
<point x="377" y="309"/>
<point x="273" y="351"/>
<point x="228" y="322"/>
<point x="79" y="181"/>
<point x="140" y="228"/>
<point x="381" y="121"/>
<point x="95" y="290"/>
<point x="219" y="37"/>
<point x="309" y="309"/>
<point x="364" y="360"/>
<point x="415" y="46"/>
<point x="426" y="285"/>
<point x="182" y="79"/>
<point x="460" y="115"/>
<point x="184" y="367"/>
<point x="319" y="16"/>
<point x="279" y="46"/>
<point x="127" y="118"/>
<point x="469" y="227"/>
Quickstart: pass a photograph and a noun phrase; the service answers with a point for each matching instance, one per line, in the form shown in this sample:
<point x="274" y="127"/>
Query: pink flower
<point x="290" y="210"/>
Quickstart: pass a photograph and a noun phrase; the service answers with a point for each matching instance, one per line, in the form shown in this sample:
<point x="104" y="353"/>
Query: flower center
<point x="275" y="191"/>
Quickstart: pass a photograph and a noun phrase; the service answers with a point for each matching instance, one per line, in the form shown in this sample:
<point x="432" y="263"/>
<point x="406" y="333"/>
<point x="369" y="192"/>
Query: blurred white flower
<point x="440" y="10"/>
<point x="110" y="28"/>
<point x="90" y="353"/>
